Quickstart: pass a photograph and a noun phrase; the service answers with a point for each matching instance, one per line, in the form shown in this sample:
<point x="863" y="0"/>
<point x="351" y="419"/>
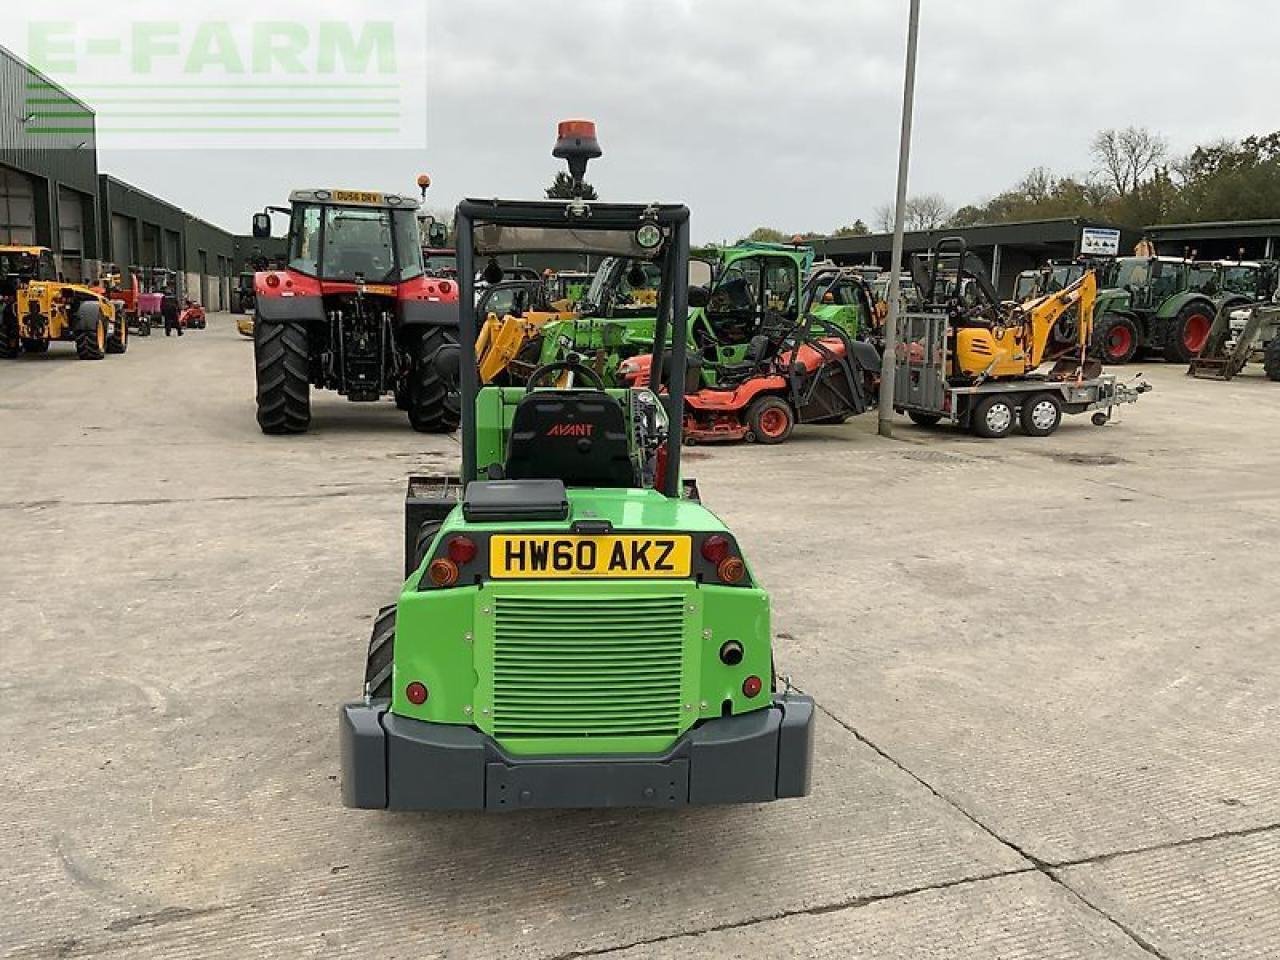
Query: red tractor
<point x="352" y="311"/>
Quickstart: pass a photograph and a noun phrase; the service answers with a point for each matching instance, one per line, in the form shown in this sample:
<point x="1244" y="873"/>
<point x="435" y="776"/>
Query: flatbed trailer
<point x="992" y="408"/>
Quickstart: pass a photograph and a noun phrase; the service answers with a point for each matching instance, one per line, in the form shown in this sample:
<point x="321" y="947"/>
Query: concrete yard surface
<point x="1048" y="674"/>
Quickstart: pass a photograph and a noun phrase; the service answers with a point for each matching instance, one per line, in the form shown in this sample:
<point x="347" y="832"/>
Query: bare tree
<point x="1126" y="157"/>
<point x="927" y="211"/>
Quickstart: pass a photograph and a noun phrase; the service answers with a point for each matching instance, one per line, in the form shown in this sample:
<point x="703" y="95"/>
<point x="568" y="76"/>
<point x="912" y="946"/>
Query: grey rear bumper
<point x="395" y="763"/>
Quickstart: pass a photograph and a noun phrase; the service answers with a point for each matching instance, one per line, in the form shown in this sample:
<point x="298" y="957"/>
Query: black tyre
<point x="92" y="344"/>
<point x="10" y="342"/>
<point x="382" y="649"/>
<point x="994" y="416"/>
<point x="1188" y="332"/>
<point x="284" y="390"/>
<point x="1041" y="414"/>
<point x="144" y="328"/>
<point x="1271" y="360"/>
<point x="1115" y="339"/>
<point x="924" y="419"/>
<point x="35" y="346"/>
<point x="770" y="420"/>
<point x="422" y="543"/>
<point x="118" y="342"/>
<point x="433" y="407"/>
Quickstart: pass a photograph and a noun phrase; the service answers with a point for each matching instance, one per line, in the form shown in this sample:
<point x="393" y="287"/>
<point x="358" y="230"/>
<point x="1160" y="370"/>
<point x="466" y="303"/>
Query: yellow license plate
<point x="356" y="196"/>
<point x="582" y="556"/>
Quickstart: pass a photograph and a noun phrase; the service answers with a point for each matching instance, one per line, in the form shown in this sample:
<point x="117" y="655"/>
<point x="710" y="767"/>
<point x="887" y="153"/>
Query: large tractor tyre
<point x="994" y="417"/>
<point x="1271" y="360"/>
<point x="382" y="650"/>
<point x="118" y="342"/>
<point x="770" y="420"/>
<point x="1188" y="332"/>
<point x="1041" y="414"/>
<point x="1115" y="339"/>
<point x="433" y="408"/>
<point x="284" y="391"/>
<point x="10" y="342"/>
<point x="922" y="419"/>
<point x="35" y="346"/>
<point x="92" y="344"/>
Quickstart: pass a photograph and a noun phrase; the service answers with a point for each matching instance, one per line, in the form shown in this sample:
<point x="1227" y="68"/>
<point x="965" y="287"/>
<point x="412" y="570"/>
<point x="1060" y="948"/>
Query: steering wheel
<point x="573" y="366"/>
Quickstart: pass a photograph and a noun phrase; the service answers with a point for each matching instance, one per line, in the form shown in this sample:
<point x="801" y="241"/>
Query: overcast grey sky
<point x="772" y="112"/>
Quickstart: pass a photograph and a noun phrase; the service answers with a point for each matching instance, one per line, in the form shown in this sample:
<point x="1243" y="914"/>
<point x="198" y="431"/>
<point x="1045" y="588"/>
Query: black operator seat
<point x="578" y="436"/>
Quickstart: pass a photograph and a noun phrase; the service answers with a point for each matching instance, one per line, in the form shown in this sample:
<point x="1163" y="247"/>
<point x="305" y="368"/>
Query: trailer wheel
<point x="994" y="417"/>
<point x="432" y="407"/>
<point x="1041" y="414"/>
<point x="770" y="419"/>
<point x="1187" y="333"/>
<point x="922" y="419"/>
<point x="382" y="648"/>
<point x="1115" y="339"/>
<point x="1271" y="360"/>
<point x="144" y="327"/>
<point x="1101" y="419"/>
<point x="284" y="390"/>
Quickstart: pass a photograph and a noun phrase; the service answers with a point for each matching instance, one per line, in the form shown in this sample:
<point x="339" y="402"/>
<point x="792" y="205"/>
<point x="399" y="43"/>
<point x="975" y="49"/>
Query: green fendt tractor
<point x="1168" y="304"/>
<point x="576" y="629"/>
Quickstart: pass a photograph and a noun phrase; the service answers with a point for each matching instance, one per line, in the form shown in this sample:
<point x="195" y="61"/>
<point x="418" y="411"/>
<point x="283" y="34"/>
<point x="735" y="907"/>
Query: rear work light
<point x="443" y="572"/>
<point x="461" y="550"/>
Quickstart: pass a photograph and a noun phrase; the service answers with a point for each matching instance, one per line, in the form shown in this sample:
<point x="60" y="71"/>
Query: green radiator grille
<point x="576" y="667"/>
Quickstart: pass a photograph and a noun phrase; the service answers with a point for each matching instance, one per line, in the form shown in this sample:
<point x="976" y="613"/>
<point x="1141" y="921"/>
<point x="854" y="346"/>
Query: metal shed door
<point x="17" y="208"/>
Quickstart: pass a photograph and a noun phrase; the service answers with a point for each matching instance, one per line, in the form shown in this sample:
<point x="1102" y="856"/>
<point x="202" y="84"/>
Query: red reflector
<point x="273" y="280"/>
<point x="445" y="286"/>
<point x="417" y="693"/>
<point x="715" y="548"/>
<point x="752" y="686"/>
<point x="443" y="572"/>
<point x="461" y="550"/>
<point x="731" y="569"/>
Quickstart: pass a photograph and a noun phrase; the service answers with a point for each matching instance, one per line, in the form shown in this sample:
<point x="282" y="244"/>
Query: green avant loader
<point x="576" y="629"/>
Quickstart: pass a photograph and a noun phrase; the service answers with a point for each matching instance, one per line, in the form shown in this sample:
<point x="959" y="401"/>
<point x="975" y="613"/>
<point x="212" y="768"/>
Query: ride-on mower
<point x="576" y="629"/>
<point x="806" y="371"/>
<point x="39" y="309"/>
<point x="353" y="312"/>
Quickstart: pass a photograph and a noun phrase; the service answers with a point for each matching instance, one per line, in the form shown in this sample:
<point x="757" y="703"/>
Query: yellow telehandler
<point x="38" y="308"/>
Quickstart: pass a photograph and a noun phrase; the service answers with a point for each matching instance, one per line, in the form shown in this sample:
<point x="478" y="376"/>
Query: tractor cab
<point x="19" y="265"/>
<point x="575" y="628"/>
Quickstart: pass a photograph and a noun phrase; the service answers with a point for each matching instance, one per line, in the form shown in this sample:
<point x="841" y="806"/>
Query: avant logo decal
<point x="571" y="430"/>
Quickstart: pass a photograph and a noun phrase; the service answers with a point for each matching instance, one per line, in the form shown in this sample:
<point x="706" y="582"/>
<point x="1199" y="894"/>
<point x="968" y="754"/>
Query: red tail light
<point x="462" y="550"/>
<point x="752" y="686"/>
<point x="273" y="281"/>
<point x="417" y="693"/>
<point x="715" y="548"/>
<point x="445" y="286"/>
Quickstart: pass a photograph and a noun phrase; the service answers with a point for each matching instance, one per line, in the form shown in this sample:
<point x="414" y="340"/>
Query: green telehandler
<point x="576" y="629"/>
